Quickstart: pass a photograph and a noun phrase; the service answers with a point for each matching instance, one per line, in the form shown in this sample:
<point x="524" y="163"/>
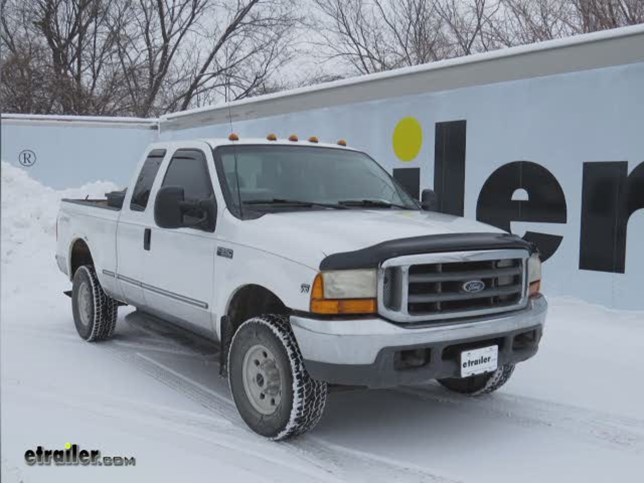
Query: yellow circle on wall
<point x="407" y="139"/>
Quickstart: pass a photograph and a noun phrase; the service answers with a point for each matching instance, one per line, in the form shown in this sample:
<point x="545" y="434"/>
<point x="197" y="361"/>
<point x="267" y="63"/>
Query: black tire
<point x="301" y="398"/>
<point x="95" y="313"/>
<point x="479" y="384"/>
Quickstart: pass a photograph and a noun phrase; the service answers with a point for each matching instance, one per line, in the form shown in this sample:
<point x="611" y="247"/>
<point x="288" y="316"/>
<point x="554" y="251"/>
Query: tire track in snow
<point x="596" y="427"/>
<point x="416" y="472"/>
<point x="216" y="431"/>
<point x="153" y="345"/>
<point x="348" y="464"/>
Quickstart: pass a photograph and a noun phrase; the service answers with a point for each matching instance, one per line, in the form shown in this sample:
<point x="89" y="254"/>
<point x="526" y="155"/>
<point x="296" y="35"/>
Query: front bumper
<point x="376" y="353"/>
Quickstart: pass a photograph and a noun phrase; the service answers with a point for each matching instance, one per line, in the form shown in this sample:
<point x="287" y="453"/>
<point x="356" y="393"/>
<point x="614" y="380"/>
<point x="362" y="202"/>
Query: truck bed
<point x="113" y="201"/>
<point x="96" y="202"/>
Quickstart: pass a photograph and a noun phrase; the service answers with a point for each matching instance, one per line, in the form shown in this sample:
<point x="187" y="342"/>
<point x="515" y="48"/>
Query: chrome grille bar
<point x="442" y="297"/>
<point x="430" y="287"/>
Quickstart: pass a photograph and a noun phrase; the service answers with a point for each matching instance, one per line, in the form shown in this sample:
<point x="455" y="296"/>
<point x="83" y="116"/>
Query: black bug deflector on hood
<point x="371" y="257"/>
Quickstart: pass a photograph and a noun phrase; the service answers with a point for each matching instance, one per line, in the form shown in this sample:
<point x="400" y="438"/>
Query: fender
<point x="283" y="277"/>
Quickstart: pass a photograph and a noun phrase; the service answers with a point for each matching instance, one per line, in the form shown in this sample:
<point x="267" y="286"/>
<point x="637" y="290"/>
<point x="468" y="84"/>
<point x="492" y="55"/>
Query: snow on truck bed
<point x="574" y="412"/>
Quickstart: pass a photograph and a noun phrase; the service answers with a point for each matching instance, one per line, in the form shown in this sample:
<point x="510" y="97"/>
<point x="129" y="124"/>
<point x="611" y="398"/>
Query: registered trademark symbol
<point x="27" y="158"/>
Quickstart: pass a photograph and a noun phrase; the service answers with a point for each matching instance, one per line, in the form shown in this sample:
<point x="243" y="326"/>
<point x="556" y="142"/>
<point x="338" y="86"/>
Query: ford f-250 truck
<point x="311" y="266"/>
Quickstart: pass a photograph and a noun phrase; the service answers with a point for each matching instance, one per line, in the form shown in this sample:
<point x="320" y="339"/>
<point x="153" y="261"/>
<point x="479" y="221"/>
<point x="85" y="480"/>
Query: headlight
<point x="344" y="292"/>
<point x="349" y="284"/>
<point x="534" y="274"/>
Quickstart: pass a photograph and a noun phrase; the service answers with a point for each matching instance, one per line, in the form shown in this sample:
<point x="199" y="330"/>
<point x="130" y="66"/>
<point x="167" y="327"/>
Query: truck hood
<point x="309" y="236"/>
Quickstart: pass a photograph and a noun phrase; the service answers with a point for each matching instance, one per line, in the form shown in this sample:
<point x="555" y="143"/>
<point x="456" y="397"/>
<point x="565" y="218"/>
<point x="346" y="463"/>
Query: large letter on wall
<point x="609" y="198"/>
<point x="449" y="166"/>
<point x="546" y="201"/>
<point x="409" y="178"/>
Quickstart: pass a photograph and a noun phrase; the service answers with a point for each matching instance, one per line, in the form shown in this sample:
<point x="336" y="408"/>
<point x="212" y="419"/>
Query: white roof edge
<point x="581" y="39"/>
<point x="79" y="120"/>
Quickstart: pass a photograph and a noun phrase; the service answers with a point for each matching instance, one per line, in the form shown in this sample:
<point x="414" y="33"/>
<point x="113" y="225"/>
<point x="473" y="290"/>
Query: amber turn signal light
<point x="320" y="305"/>
<point x="535" y="289"/>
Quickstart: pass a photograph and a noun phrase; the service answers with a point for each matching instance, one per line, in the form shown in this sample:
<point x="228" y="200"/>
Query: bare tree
<point x="528" y="21"/>
<point x="149" y="57"/>
<point x="141" y="57"/>
<point x="150" y="48"/>
<point x="23" y="66"/>
<point x="64" y="45"/>
<point x="466" y="23"/>
<point x="608" y="14"/>
<point x="246" y="49"/>
<point x="378" y="35"/>
<point x="374" y="35"/>
<point x="176" y="54"/>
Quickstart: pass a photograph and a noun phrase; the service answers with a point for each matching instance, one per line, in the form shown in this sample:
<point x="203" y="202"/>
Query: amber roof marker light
<point x="271" y="137"/>
<point x="313" y="139"/>
<point x="293" y="137"/>
<point x="233" y="137"/>
<point x="342" y="142"/>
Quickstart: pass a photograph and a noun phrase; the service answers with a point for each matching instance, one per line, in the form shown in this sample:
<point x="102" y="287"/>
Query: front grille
<point x="453" y="285"/>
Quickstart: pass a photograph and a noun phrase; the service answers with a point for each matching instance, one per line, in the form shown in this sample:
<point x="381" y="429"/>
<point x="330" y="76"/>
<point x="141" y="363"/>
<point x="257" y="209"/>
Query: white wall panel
<point x="71" y="152"/>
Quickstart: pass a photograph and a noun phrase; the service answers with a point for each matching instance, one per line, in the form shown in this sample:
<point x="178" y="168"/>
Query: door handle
<point x="147" y="234"/>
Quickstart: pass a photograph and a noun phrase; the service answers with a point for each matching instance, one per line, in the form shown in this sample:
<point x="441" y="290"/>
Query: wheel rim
<point x="262" y="379"/>
<point x="85" y="308"/>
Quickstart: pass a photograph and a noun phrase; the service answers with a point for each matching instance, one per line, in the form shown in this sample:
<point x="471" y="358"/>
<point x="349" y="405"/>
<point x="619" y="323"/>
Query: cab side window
<point x="141" y="193"/>
<point x="188" y="169"/>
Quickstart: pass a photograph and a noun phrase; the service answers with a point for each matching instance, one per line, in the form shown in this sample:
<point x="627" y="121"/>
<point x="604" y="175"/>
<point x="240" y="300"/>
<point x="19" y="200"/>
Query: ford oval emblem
<point x="473" y="286"/>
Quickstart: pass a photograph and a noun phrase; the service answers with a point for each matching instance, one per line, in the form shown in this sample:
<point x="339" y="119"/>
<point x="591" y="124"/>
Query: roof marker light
<point x="293" y="137"/>
<point x="233" y="137"/>
<point x="313" y="139"/>
<point x="271" y="137"/>
<point x="342" y="142"/>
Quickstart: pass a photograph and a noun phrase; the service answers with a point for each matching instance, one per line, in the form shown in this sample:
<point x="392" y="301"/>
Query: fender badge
<point x="225" y="252"/>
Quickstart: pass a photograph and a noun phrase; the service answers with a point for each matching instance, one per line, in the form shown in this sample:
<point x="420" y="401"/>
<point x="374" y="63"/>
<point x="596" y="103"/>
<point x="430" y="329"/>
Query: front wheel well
<point x="250" y="301"/>
<point x="80" y="256"/>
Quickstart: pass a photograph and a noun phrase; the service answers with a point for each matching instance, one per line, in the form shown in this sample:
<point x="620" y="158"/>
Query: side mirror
<point x="201" y="214"/>
<point x="429" y="200"/>
<point x="172" y="210"/>
<point x="167" y="208"/>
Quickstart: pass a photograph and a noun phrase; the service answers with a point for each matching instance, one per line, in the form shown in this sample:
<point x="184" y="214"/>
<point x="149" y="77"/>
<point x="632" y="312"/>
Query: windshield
<point x="295" y="177"/>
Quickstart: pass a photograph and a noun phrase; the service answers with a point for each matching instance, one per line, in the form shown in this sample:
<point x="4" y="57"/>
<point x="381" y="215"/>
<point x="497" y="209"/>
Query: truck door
<point x="178" y="274"/>
<point x="133" y="229"/>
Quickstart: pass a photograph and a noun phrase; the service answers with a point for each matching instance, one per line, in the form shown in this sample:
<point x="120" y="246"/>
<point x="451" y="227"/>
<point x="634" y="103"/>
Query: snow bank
<point x="29" y="208"/>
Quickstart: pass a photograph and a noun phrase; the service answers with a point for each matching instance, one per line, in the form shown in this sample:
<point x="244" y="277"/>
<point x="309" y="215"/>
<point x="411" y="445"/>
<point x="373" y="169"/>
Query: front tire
<point x="95" y="313"/>
<point x="273" y="393"/>
<point x="479" y="384"/>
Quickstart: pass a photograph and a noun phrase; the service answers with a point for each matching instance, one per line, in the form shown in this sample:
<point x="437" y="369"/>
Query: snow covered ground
<point x="574" y="412"/>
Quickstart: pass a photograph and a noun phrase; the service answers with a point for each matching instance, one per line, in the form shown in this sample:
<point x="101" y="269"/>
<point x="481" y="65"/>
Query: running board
<point x="69" y="294"/>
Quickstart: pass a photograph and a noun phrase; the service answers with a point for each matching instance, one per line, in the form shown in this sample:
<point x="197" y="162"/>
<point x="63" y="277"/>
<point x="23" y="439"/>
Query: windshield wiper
<point x="372" y="203"/>
<point x="299" y="203"/>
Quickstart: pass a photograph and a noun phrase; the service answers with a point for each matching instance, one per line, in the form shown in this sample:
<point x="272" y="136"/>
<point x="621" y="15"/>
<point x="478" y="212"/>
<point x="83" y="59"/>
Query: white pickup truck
<point x="311" y="266"/>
